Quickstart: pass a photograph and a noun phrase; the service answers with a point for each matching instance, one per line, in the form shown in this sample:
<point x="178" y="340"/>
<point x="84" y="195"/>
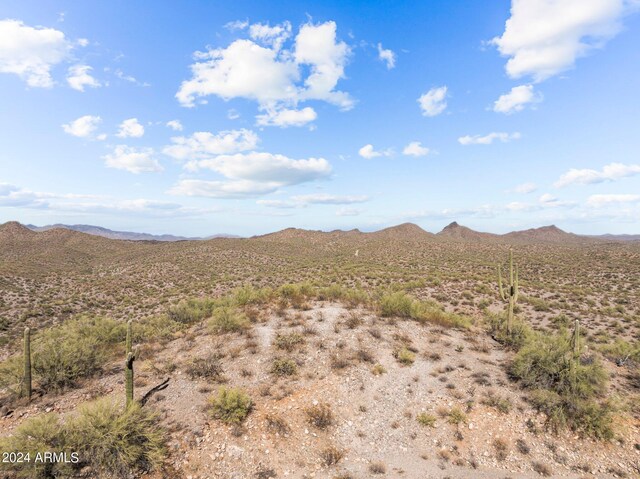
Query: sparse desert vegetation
<point x="288" y="355"/>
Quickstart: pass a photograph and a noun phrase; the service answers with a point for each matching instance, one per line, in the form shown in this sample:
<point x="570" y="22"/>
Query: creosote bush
<point x="228" y="319"/>
<point x="230" y="405"/>
<point x="113" y="441"/>
<point x="284" y="367"/>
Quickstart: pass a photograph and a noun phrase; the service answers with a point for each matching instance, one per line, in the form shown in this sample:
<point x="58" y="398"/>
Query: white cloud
<point x="516" y="99"/>
<point x="31" y="52"/>
<point x="233" y="114"/>
<point x="130" y="128"/>
<point x="325" y="199"/>
<point x="416" y="149"/>
<point x="287" y="117"/>
<point x="434" y="101"/>
<point x="271" y="36"/>
<point x="204" y="144"/>
<point x="488" y="139"/>
<point x="387" y="56"/>
<point x="175" y="125"/>
<point x="269" y="74"/>
<point x="368" y="152"/>
<point x="348" y="211"/>
<point x="82" y="127"/>
<point x="545" y="37"/>
<point x="610" y="172"/>
<point x="265" y="167"/>
<point x="525" y="188"/>
<point x="134" y="160"/>
<point x="598" y="201"/>
<point x="302" y="201"/>
<point x="78" y="77"/>
<point x="222" y="189"/>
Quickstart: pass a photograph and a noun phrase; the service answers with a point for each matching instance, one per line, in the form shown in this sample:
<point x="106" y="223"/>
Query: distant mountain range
<point x="123" y="235"/>
<point x="404" y="232"/>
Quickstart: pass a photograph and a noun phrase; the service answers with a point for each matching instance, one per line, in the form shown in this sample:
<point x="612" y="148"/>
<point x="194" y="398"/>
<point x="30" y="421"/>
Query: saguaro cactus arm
<point x="503" y="296"/>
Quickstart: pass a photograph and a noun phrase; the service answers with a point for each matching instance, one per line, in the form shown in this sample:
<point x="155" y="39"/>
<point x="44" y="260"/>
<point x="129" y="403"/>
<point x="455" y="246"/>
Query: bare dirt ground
<point x="375" y="425"/>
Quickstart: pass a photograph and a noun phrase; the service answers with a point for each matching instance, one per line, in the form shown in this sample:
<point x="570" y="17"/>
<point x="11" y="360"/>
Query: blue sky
<point x="198" y="117"/>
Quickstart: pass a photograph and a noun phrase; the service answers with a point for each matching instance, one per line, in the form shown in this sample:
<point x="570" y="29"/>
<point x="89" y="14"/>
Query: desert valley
<point x="336" y="354"/>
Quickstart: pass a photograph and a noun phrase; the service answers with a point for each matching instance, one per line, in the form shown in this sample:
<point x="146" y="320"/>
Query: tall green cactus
<point x="27" y="363"/>
<point x="131" y="357"/>
<point x="510" y="293"/>
<point x="575" y="339"/>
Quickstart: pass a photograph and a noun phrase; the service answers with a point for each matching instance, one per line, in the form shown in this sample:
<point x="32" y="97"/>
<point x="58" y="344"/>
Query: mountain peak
<point x="13" y="229"/>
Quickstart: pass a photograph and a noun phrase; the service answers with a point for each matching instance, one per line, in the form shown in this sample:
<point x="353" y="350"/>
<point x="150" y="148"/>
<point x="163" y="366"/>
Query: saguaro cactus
<point x="131" y="357"/>
<point x="27" y="362"/>
<point x="575" y="339"/>
<point x="510" y="293"/>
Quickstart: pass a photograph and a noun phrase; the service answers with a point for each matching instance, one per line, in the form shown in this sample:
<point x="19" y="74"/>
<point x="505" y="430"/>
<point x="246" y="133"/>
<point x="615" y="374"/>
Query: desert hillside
<point x="324" y="354"/>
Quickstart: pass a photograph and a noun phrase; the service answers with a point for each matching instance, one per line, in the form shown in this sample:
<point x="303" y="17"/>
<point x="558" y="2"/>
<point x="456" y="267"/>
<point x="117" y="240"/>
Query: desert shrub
<point x="319" y="415"/>
<point x="521" y="333"/>
<point x="331" y="455"/>
<point x="190" y="311"/>
<point x="230" y="405"/>
<point x="227" y="319"/>
<point x="402" y="305"/>
<point x="284" y="367"/>
<point x="456" y="416"/>
<point x="621" y="351"/>
<point x="378" y="370"/>
<point x="564" y="387"/>
<point x="37" y="435"/>
<point x="426" y="419"/>
<point x="156" y="328"/>
<point x="404" y="356"/>
<point x="11" y="375"/>
<point x="581" y="415"/>
<point x="249" y="295"/>
<point x="208" y="367"/>
<point x="74" y="350"/>
<point x="546" y="362"/>
<point x="396" y="304"/>
<point x="115" y="441"/>
<point x="502" y="404"/>
<point x="288" y="341"/>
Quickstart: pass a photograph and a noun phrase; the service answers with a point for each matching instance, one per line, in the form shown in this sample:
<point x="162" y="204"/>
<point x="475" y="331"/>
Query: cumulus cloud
<point x="416" y="149"/>
<point x="130" y="128"/>
<point x="544" y="38"/>
<point x="250" y="174"/>
<point x="610" y="172"/>
<point x="31" y="52"/>
<point x="598" y="201"/>
<point x="175" y="125"/>
<point x="287" y="117"/>
<point x="134" y="160"/>
<point x="434" y="101"/>
<point x="368" y="152"/>
<point x="387" y="56"/>
<point x="265" y="167"/>
<point x="525" y="188"/>
<point x="260" y="69"/>
<point x="271" y="36"/>
<point x="82" y="127"/>
<point x="516" y="100"/>
<point x="79" y="77"/>
<point x="488" y="139"/>
<point x="204" y="144"/>
<point x="222" y="189"/>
